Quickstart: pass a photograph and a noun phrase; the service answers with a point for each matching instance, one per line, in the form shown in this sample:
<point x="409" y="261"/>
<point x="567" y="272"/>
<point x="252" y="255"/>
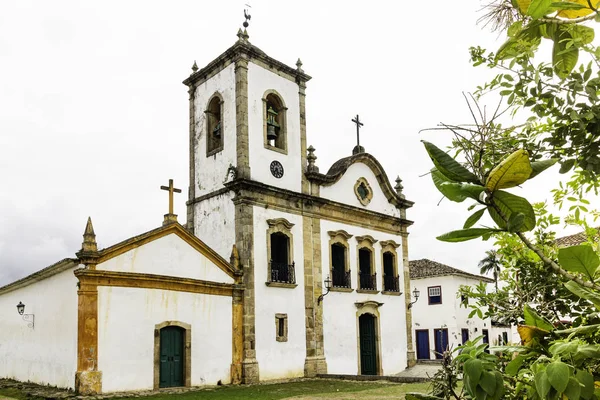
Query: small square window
<point x="281" y="327"/>
<point x="435" y="294"/>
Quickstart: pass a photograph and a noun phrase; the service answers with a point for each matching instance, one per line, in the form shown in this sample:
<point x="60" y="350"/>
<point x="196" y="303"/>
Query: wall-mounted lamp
<point x="328" y="287"/>
<point x="416" y="295"/>
<point x="29" y="318"/>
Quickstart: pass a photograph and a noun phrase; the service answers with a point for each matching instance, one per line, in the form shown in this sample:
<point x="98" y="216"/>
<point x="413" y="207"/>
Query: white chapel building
<point x="280" y="270"/>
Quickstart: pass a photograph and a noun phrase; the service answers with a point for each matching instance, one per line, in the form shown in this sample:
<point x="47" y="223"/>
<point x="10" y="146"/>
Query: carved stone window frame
<point x="360" y="181"/>
<point x="283" y="125"/>
<point x="280" y="225"/>
<point x="284" y="318"/>
<point x="340" y="237"/>
<point x="390" y="246"/>
<point x="369" y="307"/>
<point x="207" y="125"/>
<point x="187" y="349"/>
<point x="365" y="242"/>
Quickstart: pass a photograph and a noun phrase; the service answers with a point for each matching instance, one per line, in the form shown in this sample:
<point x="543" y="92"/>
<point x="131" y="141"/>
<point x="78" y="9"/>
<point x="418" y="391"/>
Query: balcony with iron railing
<point x="391" y="283"/>
<point x="341" y="279"/>
<point x="283" y="272"/>
<point x="367" y="281"/>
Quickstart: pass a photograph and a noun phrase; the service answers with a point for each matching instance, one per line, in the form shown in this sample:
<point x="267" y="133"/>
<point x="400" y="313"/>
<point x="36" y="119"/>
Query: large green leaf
<point x="583" y="330"/>
<point x="472" y="220"/>
<point x="558" y="375"/>
<point x="584" y="293"/>
<point x="488" y="382"/>
<point x="448" y="166"/>
<point x="499" y="386"/>
<point x="563" y="59"/>
<point x="581" y="259"/>
<point x="526" y="40"/>
<point x="534" y="319"/>
<point x="573" y="390"/>
<point x="454" y="191"/>
<point x="587" y="380"/>
<point x="473" y="369"/>
<point x="510" y="204"/>
<point x="542" y="385"/>
<point x="538" y="167"/>
<point x="464" y="234"/>
<point x="539" y="8"/>
<point x="512" y="171"/>
<point x="512" y="368"/>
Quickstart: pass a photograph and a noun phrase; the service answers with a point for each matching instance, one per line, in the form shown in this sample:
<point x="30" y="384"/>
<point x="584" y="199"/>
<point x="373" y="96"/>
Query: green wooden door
<point x="171" y="356"/>
<point x="368" y="348"/>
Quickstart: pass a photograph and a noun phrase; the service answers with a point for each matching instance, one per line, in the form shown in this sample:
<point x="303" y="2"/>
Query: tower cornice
<point x="253" y="54"/>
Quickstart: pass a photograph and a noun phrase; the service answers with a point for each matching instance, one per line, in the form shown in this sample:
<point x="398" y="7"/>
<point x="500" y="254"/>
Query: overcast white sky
<point x="93" y="115"/>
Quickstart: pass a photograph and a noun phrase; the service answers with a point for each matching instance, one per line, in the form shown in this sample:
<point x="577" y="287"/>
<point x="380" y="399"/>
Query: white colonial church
<point x="280" y="271"/>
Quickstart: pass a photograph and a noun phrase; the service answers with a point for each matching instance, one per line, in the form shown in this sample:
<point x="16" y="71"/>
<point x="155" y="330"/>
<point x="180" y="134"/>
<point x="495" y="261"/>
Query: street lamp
<point x="328" y="287"/>
<point x="29" y="318"/>
<point x="416" y="293"/>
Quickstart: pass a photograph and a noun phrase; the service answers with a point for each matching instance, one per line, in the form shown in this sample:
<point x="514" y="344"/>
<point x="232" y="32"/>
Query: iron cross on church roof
<point x="358" y="148"/>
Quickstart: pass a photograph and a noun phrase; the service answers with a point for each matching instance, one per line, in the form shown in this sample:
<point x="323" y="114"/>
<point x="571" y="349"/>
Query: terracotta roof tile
<point x="425" y="268"/>
<point x="573" y="240"/>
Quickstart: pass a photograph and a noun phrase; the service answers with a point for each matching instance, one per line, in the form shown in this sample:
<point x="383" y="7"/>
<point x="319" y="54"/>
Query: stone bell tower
<point x="247" y="132"/>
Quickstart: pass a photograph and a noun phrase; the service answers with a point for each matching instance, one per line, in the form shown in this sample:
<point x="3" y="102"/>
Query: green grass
<point x="13" y="393"/>
<point x="327" y="389"/>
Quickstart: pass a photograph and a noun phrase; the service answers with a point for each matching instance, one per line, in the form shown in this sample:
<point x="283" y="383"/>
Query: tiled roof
<point x="44" y="273"/>
<point x="573" y="240"/>
<point x="424" y="268"/>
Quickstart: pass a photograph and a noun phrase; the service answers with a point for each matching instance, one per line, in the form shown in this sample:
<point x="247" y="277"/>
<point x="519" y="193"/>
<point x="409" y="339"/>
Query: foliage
<point x="552" y="294"/>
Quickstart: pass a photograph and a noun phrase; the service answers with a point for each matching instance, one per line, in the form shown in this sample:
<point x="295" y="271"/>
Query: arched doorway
<point x="172" y="358"/>
<point x="368" y="344"/>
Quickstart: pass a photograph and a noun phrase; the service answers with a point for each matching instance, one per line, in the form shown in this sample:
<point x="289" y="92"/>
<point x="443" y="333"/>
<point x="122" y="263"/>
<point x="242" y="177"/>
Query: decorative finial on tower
<point x="399" y="187"/>
<point x="299" y="66"/>
<point x="240" y="35"/>
<point x="195" y="66"/>
<point x="245" y="35"/>
<point x="234" y="259"/>
<point x="311" y="158"/>
<point x="88" y="255"/>
<point x="89" y="237"/>
<point x="247" y="16"/>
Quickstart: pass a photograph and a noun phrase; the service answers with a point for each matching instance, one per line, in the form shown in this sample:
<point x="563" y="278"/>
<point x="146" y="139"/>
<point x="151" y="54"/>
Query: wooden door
<point x="368" y="346"/>
<point x="441" y="342"/>
<point x="422" y="344"/>
<point x="171" y="356"/>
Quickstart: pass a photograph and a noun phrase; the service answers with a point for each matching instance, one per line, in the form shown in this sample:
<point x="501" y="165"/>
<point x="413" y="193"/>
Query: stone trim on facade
<point x="389" y="246"/>
<point x="283" y="226"/>
<point x="187" y="348"/>
<point x="284" y="318"/>
<point x="369" y="192"/>
<point x="192" y="158"/>
<point x="241" y="117"/>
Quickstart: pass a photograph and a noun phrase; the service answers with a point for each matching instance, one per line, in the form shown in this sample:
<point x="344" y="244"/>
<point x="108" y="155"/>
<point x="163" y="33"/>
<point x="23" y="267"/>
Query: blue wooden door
<point x="422" y="344"/>
<point x="441" y="342"/>
<point x="171" y="356"/>
<point x="465" y="335"/>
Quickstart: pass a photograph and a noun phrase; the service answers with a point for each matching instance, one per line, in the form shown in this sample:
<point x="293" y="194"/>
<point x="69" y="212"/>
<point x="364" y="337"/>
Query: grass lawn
<point x="313" y="389"/>
<point x="303" y="390"/>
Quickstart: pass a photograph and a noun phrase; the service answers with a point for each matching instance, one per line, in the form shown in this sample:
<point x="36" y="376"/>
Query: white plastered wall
<point x="169" y="255"/>
<point x="46" y="354"/>
<point x="215" y="223"/>
<point x="259" y="81"/>
<point x="449" y="314"/>
<point x="211" y="171"/>
<point x="126" y="321"/>
<point x="343" y="190"/>
<point x="278" y="360"/>
<point x="340" y="323"/>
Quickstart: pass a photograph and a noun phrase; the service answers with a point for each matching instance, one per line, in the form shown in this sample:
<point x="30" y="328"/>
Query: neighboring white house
<point x="439" y="319"/>
<point x="165" y="308"/>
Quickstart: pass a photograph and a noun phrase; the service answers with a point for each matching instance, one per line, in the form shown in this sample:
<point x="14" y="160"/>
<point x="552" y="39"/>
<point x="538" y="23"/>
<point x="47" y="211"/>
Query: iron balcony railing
<point x="368" y="281"/>
<point x="341" y="278"/>
<point x="391" y="283"/>
<point x="283" y="272"/>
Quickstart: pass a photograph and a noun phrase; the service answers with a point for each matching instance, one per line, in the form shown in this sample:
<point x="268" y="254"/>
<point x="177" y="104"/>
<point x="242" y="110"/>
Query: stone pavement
<point x="425" y="370"/>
